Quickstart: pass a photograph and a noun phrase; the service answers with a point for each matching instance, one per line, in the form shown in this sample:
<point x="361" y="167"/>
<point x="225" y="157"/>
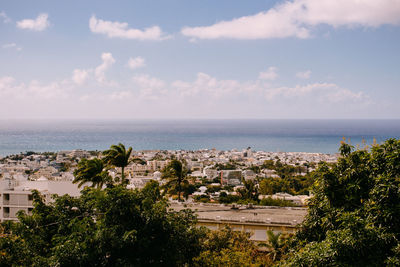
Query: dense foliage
<point x="354" y="217"/>
<point x="111" y="227"/>
<point x="295" y="185"/>
<point x="230" y="248"/>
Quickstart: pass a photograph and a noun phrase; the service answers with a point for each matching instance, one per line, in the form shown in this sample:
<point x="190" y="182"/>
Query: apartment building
<point x="16" y="195"/>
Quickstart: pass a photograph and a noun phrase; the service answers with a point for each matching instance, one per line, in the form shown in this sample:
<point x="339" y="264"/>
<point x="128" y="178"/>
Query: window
<point x="6" y="196"/>
<point x="6" y="210"/>
<point x="30" y="197"/>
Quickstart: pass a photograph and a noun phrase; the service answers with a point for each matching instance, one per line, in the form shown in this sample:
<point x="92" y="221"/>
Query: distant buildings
<point x="52" y="173"/>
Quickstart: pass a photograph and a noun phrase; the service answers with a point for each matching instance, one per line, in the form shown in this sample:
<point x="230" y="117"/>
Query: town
<point x="214" y="177"/>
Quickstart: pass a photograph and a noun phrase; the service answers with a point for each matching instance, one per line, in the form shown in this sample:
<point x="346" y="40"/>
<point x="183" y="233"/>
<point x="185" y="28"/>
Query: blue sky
<point x="200" y="59"/>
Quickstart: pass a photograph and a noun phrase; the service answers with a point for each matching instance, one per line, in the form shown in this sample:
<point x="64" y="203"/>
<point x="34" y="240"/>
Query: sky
<point x="225" y="59"/>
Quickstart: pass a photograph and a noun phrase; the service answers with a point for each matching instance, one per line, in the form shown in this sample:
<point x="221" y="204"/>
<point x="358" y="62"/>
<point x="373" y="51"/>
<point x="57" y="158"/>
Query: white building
<point x="16" y="195"/>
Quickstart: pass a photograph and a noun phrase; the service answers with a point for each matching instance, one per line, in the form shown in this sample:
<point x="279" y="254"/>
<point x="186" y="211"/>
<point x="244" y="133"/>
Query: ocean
<point x="322" y="136"/>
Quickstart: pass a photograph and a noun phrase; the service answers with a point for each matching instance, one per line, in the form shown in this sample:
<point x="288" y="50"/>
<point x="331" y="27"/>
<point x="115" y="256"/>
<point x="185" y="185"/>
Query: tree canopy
<point x="354" y="216"/>
<point x="111" y="227"/>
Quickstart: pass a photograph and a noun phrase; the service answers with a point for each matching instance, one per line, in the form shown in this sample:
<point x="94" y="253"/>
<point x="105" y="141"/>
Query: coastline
<point x="321" y="136"/>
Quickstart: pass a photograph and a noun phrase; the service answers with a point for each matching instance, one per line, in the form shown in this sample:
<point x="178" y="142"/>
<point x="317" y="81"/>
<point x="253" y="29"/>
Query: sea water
<point x="322" y="136"/>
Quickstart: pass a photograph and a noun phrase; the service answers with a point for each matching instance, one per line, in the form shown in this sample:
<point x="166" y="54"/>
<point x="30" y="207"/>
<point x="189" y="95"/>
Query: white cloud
<point x="207" y="86"/>
<point x="298" y="17"/>
<point x="39" y="24"/>
<point x="365" y="13"/>
<point x="47" y="91"/>
<point x="269" y="74"/>
<point x="99" y="72"/>
<point x="144" y="80"/>
<point x="341" y="95"/>
<point x="270" y="24"/>
<point x="121" y="30"/>
<point x="150" y="87"/>
<point x="119" y="95"/>
<point x="7" y="85"/>
<point x="5" y="18"/>
<point x="54" y="90"/>
<point x="324" y="92"/>
<point x="304" y="74"/>
<point x="205" y="95"/>
<point x="80" y="76"/>
<point x="137" y="62"/>
<point x="12" y="45"/>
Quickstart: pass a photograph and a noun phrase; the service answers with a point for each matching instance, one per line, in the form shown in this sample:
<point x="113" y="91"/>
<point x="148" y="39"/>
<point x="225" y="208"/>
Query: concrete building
<point x="255" y="220"/>
<point x="149" y="168"/>
<point x="300" y="200"/>
<point x="231" y="177"/>
<point x="16" y="195"/>
<point x="210" y="173"/>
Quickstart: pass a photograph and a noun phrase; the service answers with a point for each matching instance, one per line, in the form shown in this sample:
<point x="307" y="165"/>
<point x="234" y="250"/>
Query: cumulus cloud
<point x="49" y="91"/>
<point x="10" y="87"/>
<point x="115" y="29"/>
<point x="39" y="24"/>
<point x="7" y="85"/>
<point x="137" y="62"/>
<point x="150" y="87"/>
<point x="270" y="24"/>
<point x="120" y="95"/>
<point x="206" y="85"/>
<point x="210" y="87"/>
<point x="304" y="74"/>
<point x="80" y="76"/>
<point x="203" y="95"/>
<point x="269" y="74"/>
<point x="321" y="91"/>
<point x="298" y="17"/>
<point x="5" y="18"/>
<point x="99" y="72"/>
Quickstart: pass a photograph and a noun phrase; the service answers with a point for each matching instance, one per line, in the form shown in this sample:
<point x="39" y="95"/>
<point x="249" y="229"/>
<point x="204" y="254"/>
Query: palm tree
<point x="118" y="156"/>
<point x="175" y="172"/>
<point x="274" y="243"/>
<point x="91" y="171"/>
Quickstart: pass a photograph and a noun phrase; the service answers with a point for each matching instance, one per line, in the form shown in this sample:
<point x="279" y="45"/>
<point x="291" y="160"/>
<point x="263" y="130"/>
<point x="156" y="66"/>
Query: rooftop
<point x="257" y="214"/>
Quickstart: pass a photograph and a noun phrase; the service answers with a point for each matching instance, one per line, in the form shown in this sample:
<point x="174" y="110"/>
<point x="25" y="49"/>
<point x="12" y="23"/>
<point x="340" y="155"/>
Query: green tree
<point x="249" y="192"/>
<point x="229" y="248"/>
<point x="354" y="216"/>
<point x="176" y="174"/>
<point x="118" y="156"/>
<point x="111" y="227"/>
<point x="91" y="171"/>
